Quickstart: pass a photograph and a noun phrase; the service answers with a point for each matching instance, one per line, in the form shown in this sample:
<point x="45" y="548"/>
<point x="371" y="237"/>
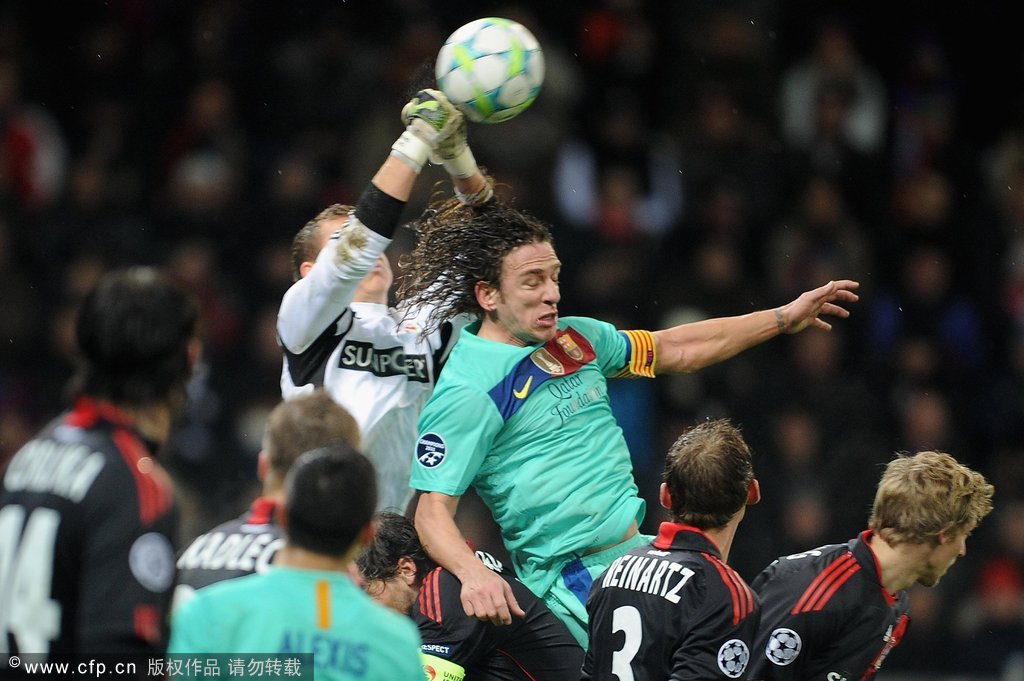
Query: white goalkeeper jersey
<point x="372" y="359"/>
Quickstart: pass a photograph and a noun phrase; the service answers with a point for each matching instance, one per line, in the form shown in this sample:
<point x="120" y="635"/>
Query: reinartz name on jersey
<point x="383" y="362"/>
<point x="654" y="576"/>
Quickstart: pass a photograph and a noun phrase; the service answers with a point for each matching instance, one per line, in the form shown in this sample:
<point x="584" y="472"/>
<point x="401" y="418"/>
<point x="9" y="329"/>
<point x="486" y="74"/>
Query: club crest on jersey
<point x="546" y="362"/>
<point x="151" y="559"/>
<point x="733" y="657"/>
<point x="430" y="450"/>
<point x="570" y="347"/>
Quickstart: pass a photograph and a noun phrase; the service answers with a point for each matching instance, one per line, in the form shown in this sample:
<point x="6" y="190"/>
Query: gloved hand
<point x="430" y="120"/>
<point x="452" y="147"/>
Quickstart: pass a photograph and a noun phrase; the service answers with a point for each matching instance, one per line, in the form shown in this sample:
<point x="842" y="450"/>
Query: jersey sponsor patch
<point x="151" y="560"/>
<point x="783" y="646"/>
<point x="383" y="362"/>
<point x="733" y="657"/>
<point x="431" y="450"/>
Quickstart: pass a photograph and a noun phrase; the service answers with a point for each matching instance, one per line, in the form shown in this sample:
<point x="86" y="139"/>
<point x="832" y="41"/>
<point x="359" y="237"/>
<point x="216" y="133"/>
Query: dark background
<point x="200" y="136"/>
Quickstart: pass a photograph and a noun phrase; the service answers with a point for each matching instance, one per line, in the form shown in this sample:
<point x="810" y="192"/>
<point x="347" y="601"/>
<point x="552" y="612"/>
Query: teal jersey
<point x="532" y="430"/>
<point x="288" y="610"/>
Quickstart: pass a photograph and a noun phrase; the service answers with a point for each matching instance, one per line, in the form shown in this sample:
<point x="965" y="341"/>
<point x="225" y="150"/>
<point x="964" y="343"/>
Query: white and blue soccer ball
<point x="491" y="69"/>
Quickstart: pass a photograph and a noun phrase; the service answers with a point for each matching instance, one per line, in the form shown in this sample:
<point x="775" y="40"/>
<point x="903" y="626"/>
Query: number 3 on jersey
<point x="626" y="618"/>
<point x="26" y="571"/>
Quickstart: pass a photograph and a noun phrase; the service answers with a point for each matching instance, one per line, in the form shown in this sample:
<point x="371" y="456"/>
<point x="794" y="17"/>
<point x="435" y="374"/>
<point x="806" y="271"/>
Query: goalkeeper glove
<point x="452" y="149"/>
<point x="430" y="118"/>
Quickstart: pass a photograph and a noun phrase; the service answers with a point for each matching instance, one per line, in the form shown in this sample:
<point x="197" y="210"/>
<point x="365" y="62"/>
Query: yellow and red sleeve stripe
<point x="642" y="355"/>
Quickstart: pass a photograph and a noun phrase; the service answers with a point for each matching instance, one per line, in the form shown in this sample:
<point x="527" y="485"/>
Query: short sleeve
<point x="456" y="430"/>
<point x="619" y="353"/>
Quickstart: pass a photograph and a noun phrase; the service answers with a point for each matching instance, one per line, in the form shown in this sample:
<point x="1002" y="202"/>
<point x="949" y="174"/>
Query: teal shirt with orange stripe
<point x="531" y="429"/>
<point x="288" y="610"/>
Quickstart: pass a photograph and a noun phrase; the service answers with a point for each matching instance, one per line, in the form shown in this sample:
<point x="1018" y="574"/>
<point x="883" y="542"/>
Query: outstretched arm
<point x="693" y="346"/>
<point x="485" y="595"/>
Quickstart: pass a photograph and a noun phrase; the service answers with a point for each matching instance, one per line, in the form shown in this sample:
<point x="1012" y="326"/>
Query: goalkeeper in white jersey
<point x="334" y="324"/>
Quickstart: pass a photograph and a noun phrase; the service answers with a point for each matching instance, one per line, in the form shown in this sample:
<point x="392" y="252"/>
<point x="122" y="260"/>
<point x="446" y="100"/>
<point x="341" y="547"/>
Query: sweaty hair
<point x="330" y="494"/>
<point x="457" y="247"/>
<point x="394" y="537"/>
<point x="304" y="423"/>
<point x="133" y="331"/>
<point x="306" y="244"/>
<point x="924" y="494"/>
<point x="708" y="471"/>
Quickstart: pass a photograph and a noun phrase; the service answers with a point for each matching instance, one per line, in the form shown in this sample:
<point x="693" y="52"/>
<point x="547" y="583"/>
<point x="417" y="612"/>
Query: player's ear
<point x="486" y="296"/>
<point x="407" y="570"/>
<point x="282" y="516"/>
<point x="304" y="268"/>
<point x="753" y="492"/>
<point x="262" y="465"/>
<point x="665" y="497"/>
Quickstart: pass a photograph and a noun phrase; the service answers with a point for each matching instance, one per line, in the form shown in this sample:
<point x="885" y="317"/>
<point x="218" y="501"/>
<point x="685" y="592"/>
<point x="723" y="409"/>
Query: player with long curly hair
<point x="522" y="414"/>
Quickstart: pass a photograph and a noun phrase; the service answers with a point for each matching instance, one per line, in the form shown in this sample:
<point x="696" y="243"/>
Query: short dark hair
<point x="330" y="494"/>
<point x="133" y="332"/>
<point x="394" y="537"/>
<point x="708" y="472"/>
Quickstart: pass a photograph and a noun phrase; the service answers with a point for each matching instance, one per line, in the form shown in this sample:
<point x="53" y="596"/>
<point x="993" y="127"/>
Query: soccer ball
<point x="491" y="69"/>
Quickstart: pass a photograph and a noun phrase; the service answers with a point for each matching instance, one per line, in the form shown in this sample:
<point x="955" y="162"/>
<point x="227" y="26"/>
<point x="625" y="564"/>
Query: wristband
<point x="379" y="211"/>
<point x="411" y="150"/>
<point x="476" y="198"/>
<point x="462" y="166"/>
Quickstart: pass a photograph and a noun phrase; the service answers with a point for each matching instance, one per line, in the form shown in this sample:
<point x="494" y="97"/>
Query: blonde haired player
<point x="837" y="611"/>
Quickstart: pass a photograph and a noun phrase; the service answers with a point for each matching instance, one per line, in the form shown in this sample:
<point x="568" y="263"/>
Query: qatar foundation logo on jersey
<point x="430" y="450"/>
<point x="783" y="646"/>
<point x="733" y="657"/>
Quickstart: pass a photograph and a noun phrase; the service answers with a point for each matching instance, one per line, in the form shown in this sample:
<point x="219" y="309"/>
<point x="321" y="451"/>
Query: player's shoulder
<point x="585" y="325"/>
<point x="797" y="565"/>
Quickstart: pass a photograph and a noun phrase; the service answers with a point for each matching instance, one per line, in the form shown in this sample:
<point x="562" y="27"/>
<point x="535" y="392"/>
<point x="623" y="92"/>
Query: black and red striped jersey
<point x="670" y="610"/>
<point x="537" y="646"/>
<point x="87" y="521"/>
<point x="826" y="615"/>
<point x="238" y="547"/>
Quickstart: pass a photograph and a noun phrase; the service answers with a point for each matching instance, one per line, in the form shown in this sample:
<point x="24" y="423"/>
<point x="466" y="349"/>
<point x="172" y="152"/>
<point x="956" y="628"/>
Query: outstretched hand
<point x="437" y="122"/>
<point x="806" y="310"/>
<point x="486" y="596"/>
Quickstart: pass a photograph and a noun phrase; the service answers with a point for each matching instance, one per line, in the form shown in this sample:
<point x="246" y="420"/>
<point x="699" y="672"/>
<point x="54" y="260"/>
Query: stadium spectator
<point x="686" y="614"/>
<point x="87" y="512"/>
<point x="307" y="602"/>
<point x="336" y="328"/>
<point x="525" y="390"/>
<point x="247" y="544"/>
<point x="399" y="573"/>
<point x="838" y="610"/>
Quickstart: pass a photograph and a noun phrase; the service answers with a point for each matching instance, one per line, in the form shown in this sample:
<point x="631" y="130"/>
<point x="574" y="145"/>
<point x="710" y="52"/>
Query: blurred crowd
<point x="696" y="158"/>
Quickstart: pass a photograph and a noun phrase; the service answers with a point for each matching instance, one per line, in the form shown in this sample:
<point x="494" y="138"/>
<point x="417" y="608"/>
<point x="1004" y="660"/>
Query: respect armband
<point x="439" y="669"/>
